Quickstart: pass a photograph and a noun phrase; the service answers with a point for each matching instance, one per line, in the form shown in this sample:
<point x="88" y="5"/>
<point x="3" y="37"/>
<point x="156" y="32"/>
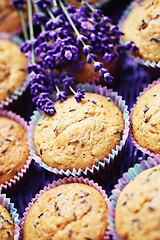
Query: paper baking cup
<point x="66" y="181"/>
<point x="122" y="182"/>
<point x="17" y="178"/>
<point x="5" y="202"/>
<point x="102" y="166"/>
<point x="19" y="91"/>
<point x="153" y="67"/>
<point x="144" y="150"/>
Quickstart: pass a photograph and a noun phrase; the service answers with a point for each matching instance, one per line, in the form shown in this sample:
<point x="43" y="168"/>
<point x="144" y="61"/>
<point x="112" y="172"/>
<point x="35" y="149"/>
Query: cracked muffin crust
<point x="146" y="120"/>
<point x="143" y="27"/>
<point x="6" y="225"/>
<point x="79" y="134"/>
<point x="137" y="213"/>
<point x="69" y="211"/>
<point x="13" y="149"/>
<point x="12" y="68"/>
<point x="9" y="17"/>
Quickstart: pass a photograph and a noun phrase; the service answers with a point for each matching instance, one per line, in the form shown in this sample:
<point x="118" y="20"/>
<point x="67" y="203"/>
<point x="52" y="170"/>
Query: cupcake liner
<point x="5" y="202"/>
<point x="19" y="91"/>
<point x="17" y="178"/>
<point x="152" y="66"/>
<point x="66" y="181"/>
<point x="102" y="166"/>
<point x="122" y="182"/>
<point x="144" y="150"/>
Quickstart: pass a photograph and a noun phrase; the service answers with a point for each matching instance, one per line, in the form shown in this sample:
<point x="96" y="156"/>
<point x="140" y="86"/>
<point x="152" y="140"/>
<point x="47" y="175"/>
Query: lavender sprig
<point x="65" y="34"/>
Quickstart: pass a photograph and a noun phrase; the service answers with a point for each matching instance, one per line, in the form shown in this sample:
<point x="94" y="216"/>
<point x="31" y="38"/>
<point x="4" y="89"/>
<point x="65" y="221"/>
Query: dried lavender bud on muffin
<point x="69" y="211"/>
<point x="143" y="27"/>
<point x="146" y="120"/>
<point x="9" y="17"/>
<point x="12" y="68"/>
<point x="79" y="134"/>
<point x="6" y="225"/>
<point x="13" y="149"/>
<point x="137" y="214"/>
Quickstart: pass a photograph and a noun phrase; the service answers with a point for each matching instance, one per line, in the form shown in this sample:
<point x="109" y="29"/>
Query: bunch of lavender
<point x="65" y="32"/>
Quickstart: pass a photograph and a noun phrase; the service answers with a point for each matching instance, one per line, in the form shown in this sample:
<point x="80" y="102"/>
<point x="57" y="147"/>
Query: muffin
<point x="79" y="135"/>
<point x="13" y="148"/>
<point x="9" y="17"/>
<point x="145" y="120"/>
<point x="68" y="211"/>
<point x="142" y="25"/>
<point x="137" y="213"/>
<point x="6" y="224"/>
<point x="12" y="72"/>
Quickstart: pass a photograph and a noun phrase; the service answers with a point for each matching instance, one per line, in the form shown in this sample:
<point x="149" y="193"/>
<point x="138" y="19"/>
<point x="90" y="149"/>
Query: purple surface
<point x="132" y="80"/>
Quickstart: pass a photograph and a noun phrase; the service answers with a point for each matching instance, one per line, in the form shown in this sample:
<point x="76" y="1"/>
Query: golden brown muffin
<point x="13" y="149"/>
<point x="69" y="211"/>
<point x="12" y="68"/>
<point x="6" y="225"/>
<point x="138" y="210"/>
<point x="79" y="134"/>
<point x="146" y="120"/>
<point x="143" y="27"/>
<point x="9" y="17"/>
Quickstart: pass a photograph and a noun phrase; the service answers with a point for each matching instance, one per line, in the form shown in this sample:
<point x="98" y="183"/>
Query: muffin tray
<point x="132" y="80"/>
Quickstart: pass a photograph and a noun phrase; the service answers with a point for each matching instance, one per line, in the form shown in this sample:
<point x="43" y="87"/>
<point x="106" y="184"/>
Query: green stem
<point x="72" y="90"/>
<point x="68" y="17"/>
<point x="57" y="89"/>
<point x="21" y="12"/>
<point x="54" y="3"/>
<point x="88" y="5"/>
<point x="31" y="29"/>
<point x="51" y="14"/>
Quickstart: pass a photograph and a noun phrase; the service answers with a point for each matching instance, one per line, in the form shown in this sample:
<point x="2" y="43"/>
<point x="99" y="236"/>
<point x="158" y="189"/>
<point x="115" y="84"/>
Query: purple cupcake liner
<point x="17" y="178"/>
<point x="144" y="150"/>
<point x="150" y="65"/>
<point x="108" y="162"/>
<point x="122" y="182"/>
<point x="66" y="181"/>
<point x="5" y="202"/>
<point x="19" y="91"/>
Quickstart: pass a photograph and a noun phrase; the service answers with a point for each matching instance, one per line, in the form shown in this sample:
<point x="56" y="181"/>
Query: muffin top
<point x="143" y="27"/>
<point x="138" y="210"/>
<point x="6" y="225"/>
<point x="146" y="120"/>
<point x="13" y="149"/>
<point x="69" y="211"/>
<point x="12" y="72"/>
<point x="9" y="17"/>
<point x="79" y="134"/>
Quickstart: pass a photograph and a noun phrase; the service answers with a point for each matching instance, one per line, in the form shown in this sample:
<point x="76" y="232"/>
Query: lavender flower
<point x="18" y="3"/>
<point x="65" y="34"/>
<point x="79" y="95"/>
<point x="61" y="95"/>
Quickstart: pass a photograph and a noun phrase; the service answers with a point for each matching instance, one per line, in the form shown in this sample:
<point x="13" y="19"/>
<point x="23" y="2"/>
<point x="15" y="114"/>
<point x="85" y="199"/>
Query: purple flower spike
<point x="37" y="88"/>
<point x="79" y="95"/>
<point x="43" y="4"/>
<point x="18" y="3"/>
<point x="87" y="49"/>
<point x="81" y="38"/>
<point x="68" y="55"/>
<point x="97" y="66"/>
<point x="61" y="95"/>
